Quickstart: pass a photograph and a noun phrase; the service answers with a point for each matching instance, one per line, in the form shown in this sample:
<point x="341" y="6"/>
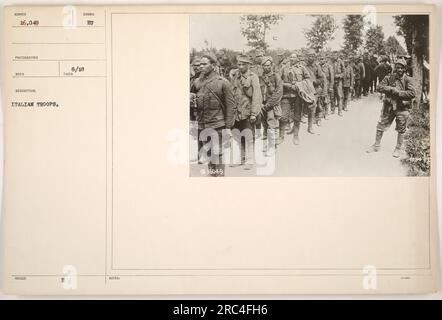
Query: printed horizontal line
<point x="65" y="27"/>
<point x="229" y="275"/>
<point x="58" y="59"/>
<point x="58" y="76"/>
<point x="26" y="43"/>
<point x="261" y="269"/>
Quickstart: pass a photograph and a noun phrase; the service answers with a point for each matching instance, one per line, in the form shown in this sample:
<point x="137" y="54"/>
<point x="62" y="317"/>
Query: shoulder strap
<point x="215" y="95"/>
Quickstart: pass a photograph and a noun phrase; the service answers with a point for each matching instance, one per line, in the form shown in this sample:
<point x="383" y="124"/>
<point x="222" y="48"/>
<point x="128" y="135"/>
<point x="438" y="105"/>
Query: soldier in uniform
<point x="347" y="83"/>
<point x="215" y="110"/>
<point x="303" y="57"/>
<point x="338" y="67"/>
<point x="248" y="96"/>
<point x="195" y="73"/>
<point x="368" y="74"/>
<point x="271" y="109"/>
<point x="359" y="71"/>
<point x="257" y="69"/>
<point x="292" y="78"/>
<point x="373" y="79"/>
<point x="331" y="91"/>
<point x="328" y="84"/>
<point x="382" y="69"/>
<point x="281" y="63"/>
<point x="256" y="66"/>
<point x="399" y="91"/>
<point x="288" y="95"/>
<point x="318" y="79"/>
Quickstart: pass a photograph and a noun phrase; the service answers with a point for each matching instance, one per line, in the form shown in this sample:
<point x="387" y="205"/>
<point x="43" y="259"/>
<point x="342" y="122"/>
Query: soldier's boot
<point x="310" y="125"/>
<point x="265" y="142"/>
<point x="249" y="155"/>
<point x="340" y="108"/>
<point x="326" y="112"/>
<point x="377" y="145"/>
<point x="296" y="133"/>
<point x="271" y="143"/>
<point x="398" y="151"/>
<point x="332" y="107"/>
<point x="265" y="127"/>
<point x="282" y="126"/>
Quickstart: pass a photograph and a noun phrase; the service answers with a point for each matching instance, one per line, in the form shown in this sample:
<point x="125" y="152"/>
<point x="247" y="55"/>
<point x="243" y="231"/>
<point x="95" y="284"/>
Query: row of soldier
<point x="277" y="97"/>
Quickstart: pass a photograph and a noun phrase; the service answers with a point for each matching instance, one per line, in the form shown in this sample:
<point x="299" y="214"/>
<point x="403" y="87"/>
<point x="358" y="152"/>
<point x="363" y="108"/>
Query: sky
<point x="223" y="31"/>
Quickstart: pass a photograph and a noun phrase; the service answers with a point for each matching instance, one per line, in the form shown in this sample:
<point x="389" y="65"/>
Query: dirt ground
<point x="336" y="149"/>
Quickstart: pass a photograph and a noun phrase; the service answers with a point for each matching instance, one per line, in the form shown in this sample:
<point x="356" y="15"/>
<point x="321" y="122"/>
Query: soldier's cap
<point x="266" y="59"/>
<point x="212" y="58"/>
<point x="401" y="61"/>
<point x="311" y="51"/>
<point x="196" y="61"/>
<point x="243" y="58"/>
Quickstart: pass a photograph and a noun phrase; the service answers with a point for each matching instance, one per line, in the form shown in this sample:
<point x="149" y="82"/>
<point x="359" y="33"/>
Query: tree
<point x="353" y="25"/>
<point x="415" y="30"/>
<point x="321" y="31"/>
<point x="374" y="40"/>
<point x="393" y="47"/>
<point x="255" y="27"/>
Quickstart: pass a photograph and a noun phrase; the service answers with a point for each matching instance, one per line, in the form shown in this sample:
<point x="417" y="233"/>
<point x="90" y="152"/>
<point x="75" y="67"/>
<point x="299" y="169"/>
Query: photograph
<point x="294" y="95"/>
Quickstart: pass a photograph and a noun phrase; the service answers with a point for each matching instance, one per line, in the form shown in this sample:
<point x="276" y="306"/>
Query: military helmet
<point x="401" y="61"/>
<point x="243" y="58"/>
<point x="266" y="59"/>
<point x="211" y="57"/>
<point x="196" y="61"/>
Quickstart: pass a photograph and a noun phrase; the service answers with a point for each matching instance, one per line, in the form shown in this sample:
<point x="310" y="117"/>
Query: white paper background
<point x="103" y="2"/>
